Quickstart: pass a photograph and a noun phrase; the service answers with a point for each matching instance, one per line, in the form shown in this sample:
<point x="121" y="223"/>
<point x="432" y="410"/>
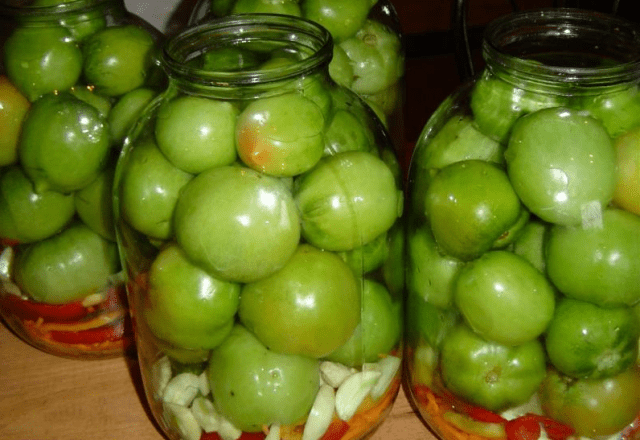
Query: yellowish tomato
<point x="627" y="193"/>
<point x="13" y="107"/>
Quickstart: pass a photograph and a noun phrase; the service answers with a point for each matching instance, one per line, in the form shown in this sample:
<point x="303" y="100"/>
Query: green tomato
<point x="504" y="298"/>
<point x="197" y="133"/>
<point x="530" y="243"/>
<point x="340" y="68"/>
<point x="496" y="105"/>
<point x="367" y="258"/>
<point x="428" y="323"/>
<point x="430" y="274"/>
<point x="41" y="60"/>
<point x="342" y="19"/>
<point x="470" y="206"/>
<point x="490" y="374"/>
<point x="64" y="144"/>
<point x="13" y="108"/>
<point x="229" y="59"/>
<point x="309" y="307"/>
<point x="393" y="268"/>
<point x="126" y="110"/>
<point x="593" y="407"/>
<point x="627" y="193"/>
<point x="66" y="267"/>
<point x="376" y="56"/>
<point x="619" y="111"/>
<point x="600" y="264"/>
<point x="94" y="204"/>
<point x="346" y="133"/>
<point x="236" y="223"/>
<point x="280" y="135"/>
<point x="149" y="187"/>
<point x="562" y="165"/>
<point x="253" y="386"/>
<point x="220" y="8"/>
<point x="118" y="59"/>
<point x="378" y="331"/>
<point x="286" y="7"/>
<point x="27" y="216"/>
<point x="99" y="102"/>
<point x="347" y="200"/>
<point x="587" y="341"/>
<point x="186" y="306"/>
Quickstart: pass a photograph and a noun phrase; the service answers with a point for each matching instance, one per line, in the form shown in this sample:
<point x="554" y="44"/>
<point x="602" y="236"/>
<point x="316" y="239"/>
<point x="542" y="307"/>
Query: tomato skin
<point x="592" y="407"/>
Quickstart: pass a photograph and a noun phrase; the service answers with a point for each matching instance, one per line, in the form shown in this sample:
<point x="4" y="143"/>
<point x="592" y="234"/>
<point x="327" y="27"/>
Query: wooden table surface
<point x="44" y="397"/>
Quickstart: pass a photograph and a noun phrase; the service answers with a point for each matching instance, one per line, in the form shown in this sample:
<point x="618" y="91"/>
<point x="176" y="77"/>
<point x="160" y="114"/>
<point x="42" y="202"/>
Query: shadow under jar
<point x="73" y="75"/>
<point x="523" y="240"/>
<point x="258" y="210"/>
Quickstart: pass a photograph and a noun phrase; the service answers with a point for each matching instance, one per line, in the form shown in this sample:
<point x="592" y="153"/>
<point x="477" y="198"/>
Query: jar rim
<point x="27" y="7"/>
<point x="512" y="41"/>
<point x="191" y="42"/>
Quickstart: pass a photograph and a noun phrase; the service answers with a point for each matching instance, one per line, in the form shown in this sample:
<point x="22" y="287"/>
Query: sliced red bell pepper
<point x="8" y="242"/>
<point x="475" y="412"/>
<point x="110" y="332"/>
<point x="32" y="310"/>
<point x="337" y="429"/>
<point x="522" y="428"/>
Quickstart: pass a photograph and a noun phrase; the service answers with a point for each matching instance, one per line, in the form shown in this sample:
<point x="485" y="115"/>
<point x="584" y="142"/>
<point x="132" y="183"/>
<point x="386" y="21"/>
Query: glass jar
<point x="257" y="213"/>
<point x="73" y="76"/>
<point x="523" y="239"/>
<point x="368" y="52"/>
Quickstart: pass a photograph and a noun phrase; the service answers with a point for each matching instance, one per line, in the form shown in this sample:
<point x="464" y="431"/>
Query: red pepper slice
<point x="32" y="310"/>
<point x="337" y="429"/>
<point x="523" y="426"/>
<point x="475" y="412"/>
<point x="111" y="332"/>
<point x="8" y="242"/>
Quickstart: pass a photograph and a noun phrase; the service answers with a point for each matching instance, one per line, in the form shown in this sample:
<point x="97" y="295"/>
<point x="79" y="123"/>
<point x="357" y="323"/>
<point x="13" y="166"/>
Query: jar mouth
<point x="31" y="8"/>
<point x="308" y="40"/>
<point x="565" y="44"/>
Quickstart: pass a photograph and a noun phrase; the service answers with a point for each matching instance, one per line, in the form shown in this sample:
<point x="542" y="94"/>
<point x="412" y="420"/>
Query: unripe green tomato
<point x="117" y="59"/>
<point x="347" y="200"/>
<point x="599" y="264"/>
<point x="309" y="307"/>
<point x="627" y="193"/>
<point x="280" y="135"/>
<point x="504" y="298"/>
<point x="27" y="216"/>
<point x="99" y="102"/>
<point x="148" y="190"/>
<point x="94" y="204"/>
<point x="376" y="56"/>
<point x="253" y="386"/>
<point x="342" y="19"/>
<point x="367" y="258"/>
<point x="13" y="108"/>
<point x="470" y="206"/>
<point x="618" y="111"/>
<point x="530" y="243"/>
<point x="587" y="341"/>
<point x="378" y="331"/>
<point x="346" y="133"/>
<point x="41" y="60"/>
<point x="64" y="144"/>
<point x="186" y="306"/>
<point x="238" y="224"/>
<point x="490" y="374"/>
<point x="593" y="407"/>
<point x="562" y="165"/>
<point x="126" y="111"/>
<point x="430" y="274"/>
<point x="66" y="267"/>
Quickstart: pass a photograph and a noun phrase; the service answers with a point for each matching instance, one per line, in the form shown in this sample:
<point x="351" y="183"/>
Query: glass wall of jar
<point x="523" y="245"/>
<point x="368" y="52"/>
<point x="73" y="76"/>
<point x="258" y="210"/>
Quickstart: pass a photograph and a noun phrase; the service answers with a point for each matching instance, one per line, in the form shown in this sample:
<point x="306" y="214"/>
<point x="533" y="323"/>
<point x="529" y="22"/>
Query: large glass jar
<point x="257" y="213"/>
<point x="368" y="52"/>
<point x="73" y="76"/>
<point x="523" y="244"/>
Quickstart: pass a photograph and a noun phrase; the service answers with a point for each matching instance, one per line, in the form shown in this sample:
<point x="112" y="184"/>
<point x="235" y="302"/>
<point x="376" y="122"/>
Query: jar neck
<point x="563" y="51"/>
<point x="305" y="42"/>
<point x="33" y="12"/>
